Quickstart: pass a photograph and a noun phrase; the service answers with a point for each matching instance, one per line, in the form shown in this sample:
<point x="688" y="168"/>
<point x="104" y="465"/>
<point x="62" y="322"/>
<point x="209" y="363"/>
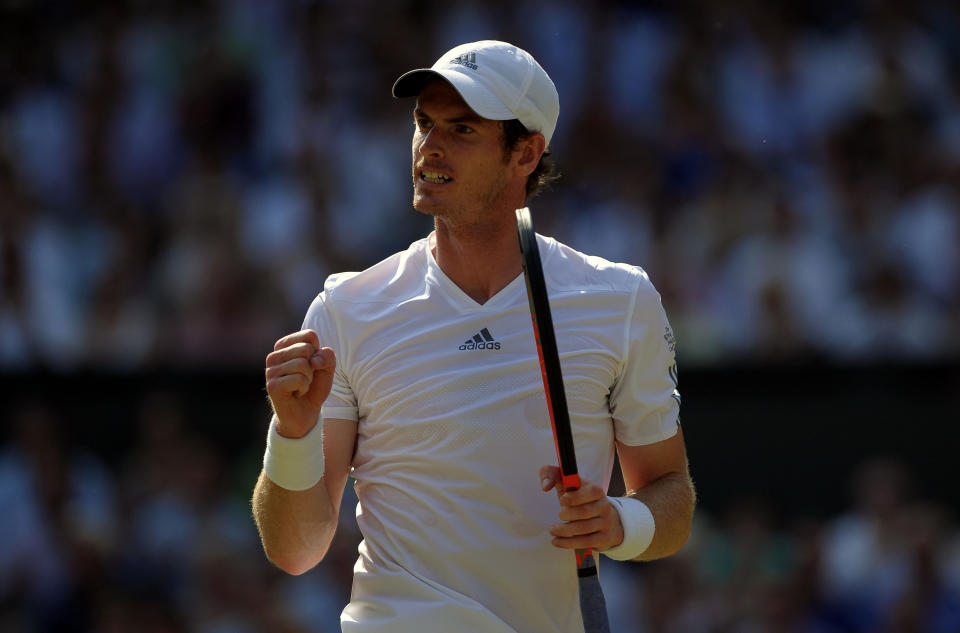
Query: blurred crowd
<point x="160" y="539"/>
<point x="178" y="178"/>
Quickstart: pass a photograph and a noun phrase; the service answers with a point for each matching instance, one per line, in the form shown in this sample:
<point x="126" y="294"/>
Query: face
<point x="460" y="170"/>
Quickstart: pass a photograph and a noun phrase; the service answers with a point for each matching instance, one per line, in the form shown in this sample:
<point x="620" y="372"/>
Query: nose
<point x="430" y="144"/>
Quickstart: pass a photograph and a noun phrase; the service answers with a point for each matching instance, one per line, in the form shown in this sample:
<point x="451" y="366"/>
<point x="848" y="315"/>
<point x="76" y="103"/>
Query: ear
<point x="529" y="153"/>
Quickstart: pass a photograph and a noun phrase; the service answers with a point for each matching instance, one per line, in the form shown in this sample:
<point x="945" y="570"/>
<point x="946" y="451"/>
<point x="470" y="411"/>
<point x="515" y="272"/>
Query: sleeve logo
<point x="670" y="339"/>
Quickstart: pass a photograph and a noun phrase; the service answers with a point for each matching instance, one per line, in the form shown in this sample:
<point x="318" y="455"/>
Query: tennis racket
<point x="592" y="604"/>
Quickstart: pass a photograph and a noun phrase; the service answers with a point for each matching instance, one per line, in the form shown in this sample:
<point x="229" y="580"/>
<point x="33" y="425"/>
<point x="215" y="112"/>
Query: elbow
<point x="292" y="567"/>
<point x="295" y="566"/>
<point x="293" y="563"/>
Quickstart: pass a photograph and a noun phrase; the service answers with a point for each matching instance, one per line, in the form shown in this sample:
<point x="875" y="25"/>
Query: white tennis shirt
<point x="453" y="428"/>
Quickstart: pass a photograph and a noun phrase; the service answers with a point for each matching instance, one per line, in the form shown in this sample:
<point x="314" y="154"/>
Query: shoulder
<point x="570" y="269"/>
<point x="369" y="294"/>
<point x="387" y="281"/>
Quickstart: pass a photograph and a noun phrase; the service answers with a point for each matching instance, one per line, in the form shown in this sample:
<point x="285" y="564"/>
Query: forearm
<point x="671" y="499"/>
<point x="296" y="526"/>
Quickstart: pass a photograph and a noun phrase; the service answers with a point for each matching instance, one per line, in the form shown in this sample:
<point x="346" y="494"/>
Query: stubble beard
<point x="472" y="213"/>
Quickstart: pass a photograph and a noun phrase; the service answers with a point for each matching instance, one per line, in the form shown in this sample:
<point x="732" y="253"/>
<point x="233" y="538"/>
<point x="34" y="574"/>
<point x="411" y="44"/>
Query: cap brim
<point x="480" y="99"/>
<point x="409" y="84"/>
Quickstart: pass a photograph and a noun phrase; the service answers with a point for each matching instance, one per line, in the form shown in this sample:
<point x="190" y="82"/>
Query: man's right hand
<point x="299" y="376"/>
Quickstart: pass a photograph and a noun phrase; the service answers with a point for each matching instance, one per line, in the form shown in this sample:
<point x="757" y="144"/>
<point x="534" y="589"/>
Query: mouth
<point x="434" y="177"/>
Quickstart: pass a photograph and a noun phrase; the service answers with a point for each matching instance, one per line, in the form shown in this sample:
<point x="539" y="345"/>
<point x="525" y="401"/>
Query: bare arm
<point x="657" y="474"/>
<point x="297" y="526"/>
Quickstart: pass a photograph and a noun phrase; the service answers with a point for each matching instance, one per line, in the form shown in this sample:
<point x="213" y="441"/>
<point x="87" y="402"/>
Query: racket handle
<point x="570" y="482"/>
<point x="582" y="556"/>
<point x="593" y="607"/>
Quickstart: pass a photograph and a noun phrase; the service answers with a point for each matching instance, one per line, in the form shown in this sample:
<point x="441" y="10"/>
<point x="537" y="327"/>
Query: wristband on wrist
<point x="294" y="464"/>
<point x="638" y="528"/>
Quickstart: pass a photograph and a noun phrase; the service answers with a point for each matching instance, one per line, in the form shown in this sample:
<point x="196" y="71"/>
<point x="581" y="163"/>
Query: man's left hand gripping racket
<point x="592" y="604"/>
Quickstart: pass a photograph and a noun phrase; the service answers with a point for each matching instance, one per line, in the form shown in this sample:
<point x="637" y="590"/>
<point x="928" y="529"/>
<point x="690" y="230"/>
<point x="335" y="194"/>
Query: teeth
<point x="432" y="176"/>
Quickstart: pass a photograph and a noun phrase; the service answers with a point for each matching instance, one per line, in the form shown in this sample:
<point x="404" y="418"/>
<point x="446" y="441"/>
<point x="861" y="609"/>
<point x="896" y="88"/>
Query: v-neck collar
<point x="460" y="300"/>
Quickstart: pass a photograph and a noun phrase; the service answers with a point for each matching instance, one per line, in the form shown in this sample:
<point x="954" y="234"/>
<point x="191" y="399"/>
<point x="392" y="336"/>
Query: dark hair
<point x="545" y="173"/>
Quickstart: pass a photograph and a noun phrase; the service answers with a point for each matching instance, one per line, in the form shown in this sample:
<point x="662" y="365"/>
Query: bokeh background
<point x="177" y="179"/>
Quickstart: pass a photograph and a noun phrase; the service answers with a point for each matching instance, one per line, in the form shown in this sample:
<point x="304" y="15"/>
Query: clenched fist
<point x="299" y="375"/>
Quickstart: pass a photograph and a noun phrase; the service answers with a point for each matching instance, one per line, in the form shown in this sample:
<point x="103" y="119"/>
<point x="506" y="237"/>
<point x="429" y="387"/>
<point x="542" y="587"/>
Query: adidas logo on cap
<point x="467" y="59"/>
<point x="481" y="340"/>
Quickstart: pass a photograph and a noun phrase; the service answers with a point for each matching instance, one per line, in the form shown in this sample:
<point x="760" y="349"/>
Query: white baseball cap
<point x="498" y="81"/>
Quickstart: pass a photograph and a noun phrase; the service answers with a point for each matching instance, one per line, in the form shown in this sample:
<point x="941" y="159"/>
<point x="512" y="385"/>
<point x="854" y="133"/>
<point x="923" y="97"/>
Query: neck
<point x="481" y="259"/>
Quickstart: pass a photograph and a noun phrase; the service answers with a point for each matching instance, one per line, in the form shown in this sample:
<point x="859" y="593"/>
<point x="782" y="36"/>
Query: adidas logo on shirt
<point x="481" y="340"/>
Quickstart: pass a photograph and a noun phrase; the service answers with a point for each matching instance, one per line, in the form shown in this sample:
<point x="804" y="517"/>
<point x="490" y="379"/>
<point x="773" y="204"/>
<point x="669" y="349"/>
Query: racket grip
<point x="582" y="556"/>
<point x="570" y="482"/>
<point x="593" y="606"/>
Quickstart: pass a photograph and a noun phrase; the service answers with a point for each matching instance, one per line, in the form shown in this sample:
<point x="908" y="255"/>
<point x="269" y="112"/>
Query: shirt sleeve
<point x="341" y="403"/>
<point x="645" y="400"/>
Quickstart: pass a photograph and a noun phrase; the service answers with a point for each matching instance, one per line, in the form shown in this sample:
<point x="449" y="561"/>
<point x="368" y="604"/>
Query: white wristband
<point x="294" y="464"/>
<point x="638" y="528"/>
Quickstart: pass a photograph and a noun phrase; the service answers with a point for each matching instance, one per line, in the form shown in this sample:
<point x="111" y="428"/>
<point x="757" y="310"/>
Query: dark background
<point x="791" y="435"/>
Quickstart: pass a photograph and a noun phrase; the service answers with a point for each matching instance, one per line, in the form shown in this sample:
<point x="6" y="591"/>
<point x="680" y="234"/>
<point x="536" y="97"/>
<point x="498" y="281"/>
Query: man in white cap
<point x="419" y="377"/>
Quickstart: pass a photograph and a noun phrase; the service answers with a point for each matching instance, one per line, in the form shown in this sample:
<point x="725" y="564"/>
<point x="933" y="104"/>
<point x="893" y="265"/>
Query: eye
<point x="422" y="123"/>
<point x="464" y="129"/>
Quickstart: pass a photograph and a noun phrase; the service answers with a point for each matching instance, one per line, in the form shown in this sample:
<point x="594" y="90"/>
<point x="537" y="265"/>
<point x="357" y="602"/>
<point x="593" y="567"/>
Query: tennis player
<point x="419" y="377"/>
